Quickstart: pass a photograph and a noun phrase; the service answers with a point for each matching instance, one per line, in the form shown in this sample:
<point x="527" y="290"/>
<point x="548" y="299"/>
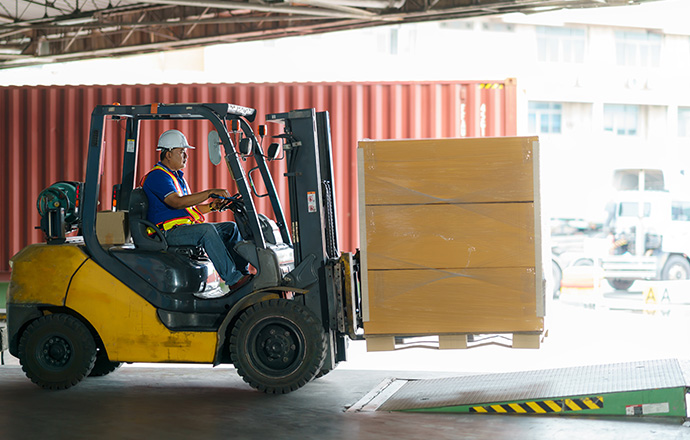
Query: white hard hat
<point x="172" y="139"/>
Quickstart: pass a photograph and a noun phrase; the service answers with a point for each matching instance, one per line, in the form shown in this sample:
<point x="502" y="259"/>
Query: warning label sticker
<point x="311" y="201"/>
<point x="647" y="408"/>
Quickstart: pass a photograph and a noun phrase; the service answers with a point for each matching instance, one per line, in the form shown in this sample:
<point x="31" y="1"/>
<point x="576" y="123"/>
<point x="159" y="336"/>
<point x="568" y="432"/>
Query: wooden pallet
<point x="452" y="341"/>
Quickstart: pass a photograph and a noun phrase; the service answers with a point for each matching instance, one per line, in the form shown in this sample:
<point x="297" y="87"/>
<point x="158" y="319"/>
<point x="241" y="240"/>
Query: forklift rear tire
<point x="277" y="346"/>
<point x="57" y="351"/>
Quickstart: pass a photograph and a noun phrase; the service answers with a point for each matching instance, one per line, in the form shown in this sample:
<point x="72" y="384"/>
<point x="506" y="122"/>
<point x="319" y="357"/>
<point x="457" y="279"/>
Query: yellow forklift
<point x="78" y="307"/>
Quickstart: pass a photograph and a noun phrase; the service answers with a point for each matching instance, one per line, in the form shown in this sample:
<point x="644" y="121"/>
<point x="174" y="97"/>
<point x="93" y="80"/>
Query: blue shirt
<point x="158" y="185"/>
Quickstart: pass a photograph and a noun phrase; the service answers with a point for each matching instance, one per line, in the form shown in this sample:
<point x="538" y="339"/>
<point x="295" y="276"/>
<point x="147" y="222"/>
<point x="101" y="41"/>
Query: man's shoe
<point x="218" y="292"/>
<point x="241" y="282"/>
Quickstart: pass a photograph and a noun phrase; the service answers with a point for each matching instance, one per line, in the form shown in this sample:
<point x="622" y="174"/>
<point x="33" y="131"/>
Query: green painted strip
<point x="615" y="404"/>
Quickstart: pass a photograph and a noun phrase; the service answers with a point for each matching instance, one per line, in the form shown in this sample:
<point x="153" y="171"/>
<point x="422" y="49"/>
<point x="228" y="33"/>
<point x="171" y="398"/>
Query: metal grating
<point x="540" y="384"/>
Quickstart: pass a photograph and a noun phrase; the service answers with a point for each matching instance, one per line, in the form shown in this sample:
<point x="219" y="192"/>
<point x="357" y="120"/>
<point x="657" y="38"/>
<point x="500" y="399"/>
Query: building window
<point x="497" y="26"/>
<point x="621" y="120"/>
<point x="394" y="41"/>
<point x="638" y="49"/>
<point x="632" y="209"/>
<point x="684" y="121"/>
<point x="564" y="45"/>
<point x="462" y="25"/>
<point x="680" y="211"/>
<point x="545" y="117"/>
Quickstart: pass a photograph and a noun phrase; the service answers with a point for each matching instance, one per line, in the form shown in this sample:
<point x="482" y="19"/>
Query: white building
<point x="603" y="88"/>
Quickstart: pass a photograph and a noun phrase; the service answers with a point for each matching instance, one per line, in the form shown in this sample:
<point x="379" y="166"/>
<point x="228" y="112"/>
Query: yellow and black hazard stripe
<point x="491" y="85"/>
<point x="543" y="406"/>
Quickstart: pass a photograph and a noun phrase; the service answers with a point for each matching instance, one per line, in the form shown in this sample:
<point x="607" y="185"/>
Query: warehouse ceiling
<point x="45" y="31"/>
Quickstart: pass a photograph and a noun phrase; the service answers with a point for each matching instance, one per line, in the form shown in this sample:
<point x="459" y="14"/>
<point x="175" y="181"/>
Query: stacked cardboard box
<point x="112" y="228"/>
<point x="450" y="234"/>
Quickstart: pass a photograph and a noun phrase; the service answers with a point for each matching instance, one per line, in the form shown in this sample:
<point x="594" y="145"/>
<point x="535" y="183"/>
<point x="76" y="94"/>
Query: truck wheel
<point x="676" y="268"/>
<point x="277" y="346"/>
<point x="619" y="284"/>
<point x="103" y="365"/>
<point x="57" y="351"/>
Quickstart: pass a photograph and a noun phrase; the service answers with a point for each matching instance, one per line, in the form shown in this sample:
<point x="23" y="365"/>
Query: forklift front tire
<point x="277" y="346"/>
<point x="57" y="351"/>
<point x="103" y="365"/>
<point x="321" y="373"/>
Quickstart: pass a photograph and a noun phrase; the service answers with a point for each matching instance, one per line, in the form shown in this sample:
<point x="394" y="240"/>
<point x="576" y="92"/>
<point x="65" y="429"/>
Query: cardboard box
<point x="450" y="233"/>
<point x="112" y="227"/>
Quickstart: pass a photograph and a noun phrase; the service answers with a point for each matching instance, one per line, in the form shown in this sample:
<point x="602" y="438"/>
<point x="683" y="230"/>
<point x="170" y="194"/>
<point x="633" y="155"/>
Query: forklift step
<point x="644" y="388"/>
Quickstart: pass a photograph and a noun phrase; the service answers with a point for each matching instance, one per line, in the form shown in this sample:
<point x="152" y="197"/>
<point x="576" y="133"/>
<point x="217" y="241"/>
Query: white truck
<point x="650" y="230"/>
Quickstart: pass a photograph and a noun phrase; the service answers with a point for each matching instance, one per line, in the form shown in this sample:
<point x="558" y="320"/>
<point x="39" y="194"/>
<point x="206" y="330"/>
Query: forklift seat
<point x="139" y="227"/>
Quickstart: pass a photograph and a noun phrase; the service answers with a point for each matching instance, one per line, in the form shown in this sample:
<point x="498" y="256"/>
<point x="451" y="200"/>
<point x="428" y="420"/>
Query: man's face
<point x="177" y="158"/>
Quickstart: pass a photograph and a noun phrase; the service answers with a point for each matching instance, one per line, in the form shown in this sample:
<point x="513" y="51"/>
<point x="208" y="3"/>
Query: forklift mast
<point x="307" y="145"/>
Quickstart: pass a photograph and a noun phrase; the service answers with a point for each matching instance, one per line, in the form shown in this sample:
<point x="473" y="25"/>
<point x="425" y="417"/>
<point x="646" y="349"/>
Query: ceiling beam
<point x="221" y="4"/>
<point x="190" y="23"/>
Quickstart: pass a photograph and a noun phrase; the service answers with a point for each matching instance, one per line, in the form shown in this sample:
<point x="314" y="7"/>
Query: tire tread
<point x="291" y="307"/>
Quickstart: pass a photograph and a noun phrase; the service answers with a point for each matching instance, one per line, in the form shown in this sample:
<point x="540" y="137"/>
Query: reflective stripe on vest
<point x="169" y="224"/>
<point x="195" y="216"/>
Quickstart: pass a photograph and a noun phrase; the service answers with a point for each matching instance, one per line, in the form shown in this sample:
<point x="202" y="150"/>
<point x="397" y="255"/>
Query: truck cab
<point x="650" y="229"/>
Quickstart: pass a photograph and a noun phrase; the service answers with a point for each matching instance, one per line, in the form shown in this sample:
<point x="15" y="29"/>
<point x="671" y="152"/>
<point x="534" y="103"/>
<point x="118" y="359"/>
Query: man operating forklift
<point x="180" y="214"/>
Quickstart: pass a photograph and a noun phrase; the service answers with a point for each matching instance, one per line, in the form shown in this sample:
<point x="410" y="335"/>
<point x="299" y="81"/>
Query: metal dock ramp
<point x="656" y="388"/>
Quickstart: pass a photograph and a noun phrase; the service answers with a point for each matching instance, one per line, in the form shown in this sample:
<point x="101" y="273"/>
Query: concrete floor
<point x="172" y="402"/>
<point x="187" y="402"/>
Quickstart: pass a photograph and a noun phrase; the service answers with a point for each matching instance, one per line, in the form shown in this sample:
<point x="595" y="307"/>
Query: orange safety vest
<point x="195" y="216"/>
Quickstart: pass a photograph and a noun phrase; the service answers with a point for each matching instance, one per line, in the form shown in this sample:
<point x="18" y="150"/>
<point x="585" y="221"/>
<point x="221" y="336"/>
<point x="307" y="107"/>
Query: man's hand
<point x="221" y="203"/>
<point x="218" y="191"/>
<point x="176" y="201"/>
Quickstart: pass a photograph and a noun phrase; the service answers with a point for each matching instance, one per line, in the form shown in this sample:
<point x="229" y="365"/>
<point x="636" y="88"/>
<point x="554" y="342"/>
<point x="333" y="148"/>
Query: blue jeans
<point x="218" y="240"/>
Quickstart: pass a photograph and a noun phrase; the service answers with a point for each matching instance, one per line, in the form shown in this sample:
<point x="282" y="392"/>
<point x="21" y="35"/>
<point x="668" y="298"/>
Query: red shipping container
<point x="44" y="134"/>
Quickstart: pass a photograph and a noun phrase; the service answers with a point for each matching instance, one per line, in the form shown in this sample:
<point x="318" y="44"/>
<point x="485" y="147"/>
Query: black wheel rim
<point x="276" y="346"/>
<point x="55" y="352"/>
